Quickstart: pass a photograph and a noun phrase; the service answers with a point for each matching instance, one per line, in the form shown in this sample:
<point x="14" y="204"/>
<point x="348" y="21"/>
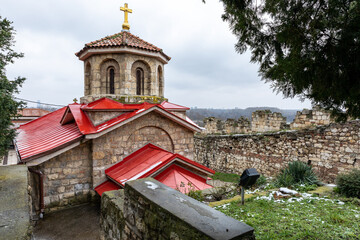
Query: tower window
<point x="111" y="81"/>
<point x="139" y="81"/>
<point x="161" y="82"/>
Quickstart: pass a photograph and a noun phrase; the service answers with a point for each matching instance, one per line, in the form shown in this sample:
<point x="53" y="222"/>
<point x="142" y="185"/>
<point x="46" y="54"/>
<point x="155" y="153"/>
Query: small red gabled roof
<point x="138" y="164"/>
<point x="45" y="134"/>
<point x="106" y="186"/>
<point x="172" y="106"/>
<point x="145" y="162"/>
<point x="181" y="179"/>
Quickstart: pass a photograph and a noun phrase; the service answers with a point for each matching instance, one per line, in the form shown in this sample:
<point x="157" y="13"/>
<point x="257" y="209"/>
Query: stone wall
<point x="68" y="178"/>
<point x="265" y="121"/>
<point x="147" y="209"/>
<point x="213" y="125"/>
<point x="330" y="149"/>
<point x="152" y="128"/>
<point x="307" y="118"/>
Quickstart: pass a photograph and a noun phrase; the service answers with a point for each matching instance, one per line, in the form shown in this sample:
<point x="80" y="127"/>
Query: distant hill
<point x="198" y="114"/>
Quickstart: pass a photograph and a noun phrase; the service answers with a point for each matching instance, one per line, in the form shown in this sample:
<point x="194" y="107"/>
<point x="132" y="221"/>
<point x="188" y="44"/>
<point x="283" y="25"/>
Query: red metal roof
<point x="45" y="134"/>
<point x="172" y="106"/>
<point x="146" y="162"/>
<point x="64" y="126"/>
<point x="122" y="39"/>
<point x="106" y="186"/>
<point x="181" y="179"/>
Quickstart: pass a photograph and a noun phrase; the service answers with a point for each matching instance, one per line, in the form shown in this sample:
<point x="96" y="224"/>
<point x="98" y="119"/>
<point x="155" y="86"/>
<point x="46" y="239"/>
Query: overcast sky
<point x="205" y="70"/>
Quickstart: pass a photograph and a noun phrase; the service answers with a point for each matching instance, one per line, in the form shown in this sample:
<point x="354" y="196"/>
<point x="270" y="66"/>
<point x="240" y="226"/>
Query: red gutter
<point x="41" y="176"/>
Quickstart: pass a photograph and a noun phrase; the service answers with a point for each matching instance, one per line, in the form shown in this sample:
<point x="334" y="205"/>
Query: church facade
<point x="122" y="110"/>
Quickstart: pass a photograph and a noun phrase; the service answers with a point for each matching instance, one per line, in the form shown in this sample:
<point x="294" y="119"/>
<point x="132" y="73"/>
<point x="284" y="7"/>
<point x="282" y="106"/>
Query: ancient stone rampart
<point x="147" y="209"/>
<point x="214" y="125"/>
<point x="265" y="121"/>
<point x="307" y="118"/>
<point x="330" y="149"/>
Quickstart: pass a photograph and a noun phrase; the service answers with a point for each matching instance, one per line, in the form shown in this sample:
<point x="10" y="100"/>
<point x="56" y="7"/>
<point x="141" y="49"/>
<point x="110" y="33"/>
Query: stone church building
<point x="122" y="110"/>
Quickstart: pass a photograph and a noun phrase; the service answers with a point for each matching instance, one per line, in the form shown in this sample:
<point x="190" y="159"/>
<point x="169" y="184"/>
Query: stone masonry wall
<point x="213" y="125"/>
<point x="307" y="118"/>
<point x="265" y="121"/>
<point x="330" y="149"/>
<point x="147" y="209"/>
<point x="68" y="178"/>
<point x="152" y="128"/>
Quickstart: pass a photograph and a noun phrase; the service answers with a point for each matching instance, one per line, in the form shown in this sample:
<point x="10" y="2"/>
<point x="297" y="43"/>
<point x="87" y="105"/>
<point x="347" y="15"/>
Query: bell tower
<point x="123" y="67"/>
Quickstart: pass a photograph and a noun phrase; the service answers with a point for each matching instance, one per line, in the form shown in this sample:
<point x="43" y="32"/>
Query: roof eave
<point x="45" y="156"/>
<point x="87" y="52"/>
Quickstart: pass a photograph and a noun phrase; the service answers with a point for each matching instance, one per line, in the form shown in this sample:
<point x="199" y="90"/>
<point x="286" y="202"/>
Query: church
<point x="122" y="129"/>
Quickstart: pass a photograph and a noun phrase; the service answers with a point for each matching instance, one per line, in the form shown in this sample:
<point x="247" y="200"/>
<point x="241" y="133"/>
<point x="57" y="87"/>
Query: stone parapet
<point x="265" y="121"/>
<point x="148" y="209"/>
<point x="330" y="150"/>
<point x="307" y="118"/>
<point x="217" y="126"/>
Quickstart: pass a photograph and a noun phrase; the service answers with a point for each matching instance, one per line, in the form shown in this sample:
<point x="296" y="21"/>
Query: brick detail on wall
<point x="330" y="149"/>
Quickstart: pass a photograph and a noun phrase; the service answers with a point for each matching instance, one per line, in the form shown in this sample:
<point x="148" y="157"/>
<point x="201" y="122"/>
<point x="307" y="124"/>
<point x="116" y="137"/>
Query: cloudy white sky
<point x="205" y="70"/>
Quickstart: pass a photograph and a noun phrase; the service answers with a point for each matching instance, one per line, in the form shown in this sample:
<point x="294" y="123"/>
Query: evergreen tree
<point x="8" y="106"/>
<point x="305" y="48"/>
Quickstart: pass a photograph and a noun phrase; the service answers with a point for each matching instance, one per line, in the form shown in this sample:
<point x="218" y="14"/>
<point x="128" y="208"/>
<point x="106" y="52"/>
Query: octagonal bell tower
<point x="123" y="67"/>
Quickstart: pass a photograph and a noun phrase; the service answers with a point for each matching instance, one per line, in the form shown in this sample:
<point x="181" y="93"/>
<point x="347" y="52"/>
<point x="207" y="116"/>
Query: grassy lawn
<point x="307" y="217"/>
<point x="226" y="177"/>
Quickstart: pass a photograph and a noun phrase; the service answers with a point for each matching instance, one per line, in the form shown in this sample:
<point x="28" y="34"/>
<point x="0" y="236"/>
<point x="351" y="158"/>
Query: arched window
<point x="87" y="85"/>
<point x="110" y="83"/>
<point x="139" y="81"/>
<point x="161" y="82"/>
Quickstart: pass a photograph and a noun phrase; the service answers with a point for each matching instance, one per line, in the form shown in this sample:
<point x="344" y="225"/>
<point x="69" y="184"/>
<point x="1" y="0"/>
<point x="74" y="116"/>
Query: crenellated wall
<point x="267" y="121"/>
<point x="307" y="118"/>
<point x="330" y="149"/>
<point x="214" y="125"/>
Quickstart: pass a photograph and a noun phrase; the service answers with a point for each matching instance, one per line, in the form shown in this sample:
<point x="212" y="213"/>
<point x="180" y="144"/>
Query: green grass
<point x="226" y="177"/>
<point x="313" y="218"/>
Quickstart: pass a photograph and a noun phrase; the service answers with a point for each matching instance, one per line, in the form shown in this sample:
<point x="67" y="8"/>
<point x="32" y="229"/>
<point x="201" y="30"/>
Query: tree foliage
<point x="305" y="48"/>
<point x="8" y="106"/>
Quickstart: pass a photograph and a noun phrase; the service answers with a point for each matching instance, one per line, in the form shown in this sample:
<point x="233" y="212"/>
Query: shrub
<point x="349" y="184"/>
<point x="296" y="173"/>
<point x="196" y="194"/>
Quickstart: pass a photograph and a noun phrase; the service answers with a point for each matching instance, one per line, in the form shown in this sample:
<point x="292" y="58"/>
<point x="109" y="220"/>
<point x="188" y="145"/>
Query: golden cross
<point x="126" y="25"/>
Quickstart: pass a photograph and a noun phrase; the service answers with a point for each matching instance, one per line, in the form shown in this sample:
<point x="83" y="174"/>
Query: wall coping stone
<point x="205" y="219"/>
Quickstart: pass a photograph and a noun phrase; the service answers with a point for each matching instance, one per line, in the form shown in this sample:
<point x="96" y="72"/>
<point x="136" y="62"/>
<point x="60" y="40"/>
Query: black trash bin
<point x="247" y="179"/>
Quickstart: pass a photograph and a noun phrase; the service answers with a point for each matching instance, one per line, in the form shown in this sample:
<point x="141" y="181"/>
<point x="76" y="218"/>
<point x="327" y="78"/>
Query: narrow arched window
<point x="110" y="81"/>
<point x="139" y="81"/>
<point x="87" y="85"/>
<point x="161" y="82"/>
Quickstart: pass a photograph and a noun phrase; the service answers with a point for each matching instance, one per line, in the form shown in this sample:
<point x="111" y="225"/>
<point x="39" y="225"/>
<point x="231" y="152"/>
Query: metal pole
<point x="242" y="196"/>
